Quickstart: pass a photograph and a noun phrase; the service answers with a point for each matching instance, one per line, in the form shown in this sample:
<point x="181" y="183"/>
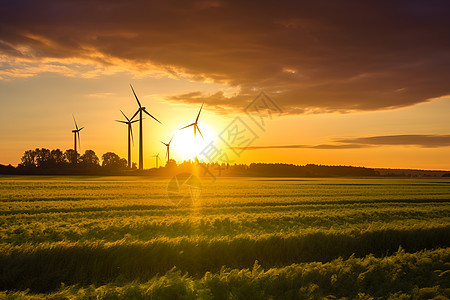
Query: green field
<point x="244" y="238"/>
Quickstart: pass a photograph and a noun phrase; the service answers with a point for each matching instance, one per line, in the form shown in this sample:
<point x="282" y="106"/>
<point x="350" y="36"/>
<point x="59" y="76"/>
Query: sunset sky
<point x="356" y="82"/>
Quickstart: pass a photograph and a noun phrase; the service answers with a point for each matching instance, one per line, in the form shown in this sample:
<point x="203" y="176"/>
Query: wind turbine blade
<point x="199" y="113"/>
<point x="125" y="116"/>
<point x="121" y="121"/>
<point x="76" y="126"/>
<point x="135" y="114"/>
<point x="139" y="103"/>
<point x="80" y="129"/>
<point x="135" y="121"/>
<point x="171" y="140"/>
<point x="199" y="131"/>
<point x="187" y="126"/>
<point x="131" y="131"/>
<point x="152" y="116"/>
<point x="163" y="143"/>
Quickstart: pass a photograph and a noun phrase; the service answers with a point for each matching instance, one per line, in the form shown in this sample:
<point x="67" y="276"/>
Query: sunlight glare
<point x="185" y="146"/>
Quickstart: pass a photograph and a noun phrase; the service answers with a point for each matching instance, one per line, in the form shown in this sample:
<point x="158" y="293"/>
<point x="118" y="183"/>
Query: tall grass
<point x="421" y="275"/>
<point x="44" y="266"/>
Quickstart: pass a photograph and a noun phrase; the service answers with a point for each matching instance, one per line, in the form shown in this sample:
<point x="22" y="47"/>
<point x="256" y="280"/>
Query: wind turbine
<point x="75" y="132"/>
<point x="141" y="143"/>
<point x="130" y="135"/>
<point x="168" y="148"/>
<point x="157" y="157"/>
<point x="195" y="124"/>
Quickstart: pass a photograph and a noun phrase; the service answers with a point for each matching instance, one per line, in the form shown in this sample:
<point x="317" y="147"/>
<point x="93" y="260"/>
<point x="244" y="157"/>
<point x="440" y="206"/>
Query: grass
<point x="109" y="236"/>
<point x="422" y="275"/>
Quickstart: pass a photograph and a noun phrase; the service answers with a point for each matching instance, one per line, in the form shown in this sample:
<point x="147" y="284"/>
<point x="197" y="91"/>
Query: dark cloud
<point x="311" y="56"/>
<point x="424" y="141"/>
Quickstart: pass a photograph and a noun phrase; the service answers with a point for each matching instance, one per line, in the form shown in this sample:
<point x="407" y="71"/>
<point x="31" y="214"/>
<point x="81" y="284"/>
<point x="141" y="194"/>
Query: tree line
<point x="46" y="161"/>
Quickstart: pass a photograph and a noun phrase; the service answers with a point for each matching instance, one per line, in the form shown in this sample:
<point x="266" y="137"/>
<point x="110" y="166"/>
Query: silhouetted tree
<point x="72" y="156"/>
<point x="89" y="158"/>
<point x="110" y="160"/>
<point x="29" y="159"/>
<point x="43" y="158"/>
<point x="58" y="158"/>
<point x="171" y="163"/>
<point x="7" y="169"/>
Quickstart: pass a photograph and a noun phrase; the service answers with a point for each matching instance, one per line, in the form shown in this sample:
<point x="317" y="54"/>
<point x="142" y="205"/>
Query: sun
<point x="185" y="146"/>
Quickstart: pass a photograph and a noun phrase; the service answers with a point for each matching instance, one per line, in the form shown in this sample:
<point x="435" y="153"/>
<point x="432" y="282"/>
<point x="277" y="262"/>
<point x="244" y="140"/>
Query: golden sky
<point x="356" y="83"/>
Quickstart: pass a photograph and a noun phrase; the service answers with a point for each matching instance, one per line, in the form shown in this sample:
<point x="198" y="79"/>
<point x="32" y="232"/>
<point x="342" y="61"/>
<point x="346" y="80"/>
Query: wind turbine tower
<point x="167" y="149"/>
<point x="130" y="135"/>
<point x="141" y="140"/>
<point x="76" y="132"/>
<point x="156" y="157"/>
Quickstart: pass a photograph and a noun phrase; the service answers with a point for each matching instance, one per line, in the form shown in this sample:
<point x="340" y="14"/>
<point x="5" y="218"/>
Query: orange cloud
<point x="418" y="140"/>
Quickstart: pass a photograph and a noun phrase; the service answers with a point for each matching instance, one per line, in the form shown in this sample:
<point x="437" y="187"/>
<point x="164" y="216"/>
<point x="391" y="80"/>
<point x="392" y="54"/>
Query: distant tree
<point x="171" y="163"/>
<point x="43" y="158"/>
<point x="72" y="156"/>
<point x="7" y="169"/>
<point x="110" y="160"/>
<point x="89" y="159"/>
<point x="29" y="158"/>
<point x="58" y="157"/>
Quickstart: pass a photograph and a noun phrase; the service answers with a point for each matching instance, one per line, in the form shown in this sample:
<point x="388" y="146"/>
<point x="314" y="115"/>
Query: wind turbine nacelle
<point x="74" y="131"/>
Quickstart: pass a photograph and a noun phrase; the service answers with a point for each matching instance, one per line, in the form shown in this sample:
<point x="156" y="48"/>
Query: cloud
<point x="310" y="56"/>
<point x="423" y="141"/>
<point x="323" y="146"/>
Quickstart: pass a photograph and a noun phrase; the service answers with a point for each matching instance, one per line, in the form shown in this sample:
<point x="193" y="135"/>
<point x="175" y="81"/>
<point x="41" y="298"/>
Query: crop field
<point x="242" y="238"/>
